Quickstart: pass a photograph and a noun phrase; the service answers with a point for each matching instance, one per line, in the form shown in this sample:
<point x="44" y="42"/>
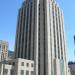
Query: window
<point x="32" y="72"/>
<point x="27" y="64"/>
<point x="22" y="72"/>
<point x="27" y="72"/>
<point x="13" y="63"/>
<point x="32" y="65"/>
<point x="22" y="64"/>
<point x="5" y="71"/>
<point x="3" y="47"/>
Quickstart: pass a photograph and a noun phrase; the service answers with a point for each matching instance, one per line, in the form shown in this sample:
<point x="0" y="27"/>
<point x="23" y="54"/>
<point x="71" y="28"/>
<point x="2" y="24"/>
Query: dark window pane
<point x="22" y="72"/>
<point x="27" y="72"/>
<point x="22" y="64"/>
<point x="32" y="65"/>
<point x="27" y="64"/>
<point x="5" y="71"/>
<point x="32" y="72"/>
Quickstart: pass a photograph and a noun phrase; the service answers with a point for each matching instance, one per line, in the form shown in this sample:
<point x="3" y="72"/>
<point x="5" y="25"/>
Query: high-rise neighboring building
<point x="40" y="36"/>
<point x="3" y="50"/>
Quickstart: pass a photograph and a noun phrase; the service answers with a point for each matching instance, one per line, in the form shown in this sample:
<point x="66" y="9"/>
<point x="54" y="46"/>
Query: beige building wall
<point x="5" y="69"/>
<point x="25" y="66"/>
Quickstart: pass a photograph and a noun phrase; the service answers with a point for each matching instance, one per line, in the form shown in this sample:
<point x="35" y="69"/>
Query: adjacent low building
<point x="17" y="67"/>
<point x="5" y="69"/>
<point x="72" y="67"/>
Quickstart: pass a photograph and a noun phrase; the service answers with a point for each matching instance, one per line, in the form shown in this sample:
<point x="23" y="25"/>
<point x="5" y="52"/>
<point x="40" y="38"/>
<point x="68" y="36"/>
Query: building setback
<point x="40" y="36"/>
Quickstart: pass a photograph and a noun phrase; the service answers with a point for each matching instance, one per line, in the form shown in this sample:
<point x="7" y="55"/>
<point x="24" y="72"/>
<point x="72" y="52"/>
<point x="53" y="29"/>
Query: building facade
<point x="5" y="69"/>
<point x="40" y="36"/>
<point x="3" y="50"/>
<point x="24" y="67"/>
<point x="17" y="67"/>
<point x="72" y="67"/>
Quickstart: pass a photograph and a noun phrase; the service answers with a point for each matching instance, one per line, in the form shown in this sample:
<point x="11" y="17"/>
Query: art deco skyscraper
<point x="40" y="36"/>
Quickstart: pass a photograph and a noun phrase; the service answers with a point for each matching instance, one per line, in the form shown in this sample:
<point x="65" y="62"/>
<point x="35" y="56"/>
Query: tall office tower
<point x="3" y="50"/>
<point x="40" y="36"/>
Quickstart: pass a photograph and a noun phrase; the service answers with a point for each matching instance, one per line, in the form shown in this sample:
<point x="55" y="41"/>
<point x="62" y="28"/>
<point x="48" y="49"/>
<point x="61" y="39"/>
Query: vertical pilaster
<point x="36" y="5"/>
<point x="48" y="51"/>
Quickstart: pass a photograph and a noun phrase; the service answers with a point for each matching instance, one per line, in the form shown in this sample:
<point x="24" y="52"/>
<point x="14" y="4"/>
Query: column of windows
<point x="29" y="54"/>
<point x="39" y="43"/>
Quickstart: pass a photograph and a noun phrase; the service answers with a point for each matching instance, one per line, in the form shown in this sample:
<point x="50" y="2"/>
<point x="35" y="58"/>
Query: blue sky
<point x="8" y="22"/>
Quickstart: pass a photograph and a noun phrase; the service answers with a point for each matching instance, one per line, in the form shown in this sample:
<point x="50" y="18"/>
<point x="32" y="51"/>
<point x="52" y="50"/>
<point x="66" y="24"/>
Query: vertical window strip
<point x="16" y="44"/>
<point x="54" y="31"/>
<point x="34" y="31"/>
<point x="44" y="37"/>
<point x="39" y="43"/>
<point x="30" y="30"/>
<point x="26" y="30"/>
<point x="57" y="32"/>
<point x="19" y="33"/>
<point x="24" y="8"/>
